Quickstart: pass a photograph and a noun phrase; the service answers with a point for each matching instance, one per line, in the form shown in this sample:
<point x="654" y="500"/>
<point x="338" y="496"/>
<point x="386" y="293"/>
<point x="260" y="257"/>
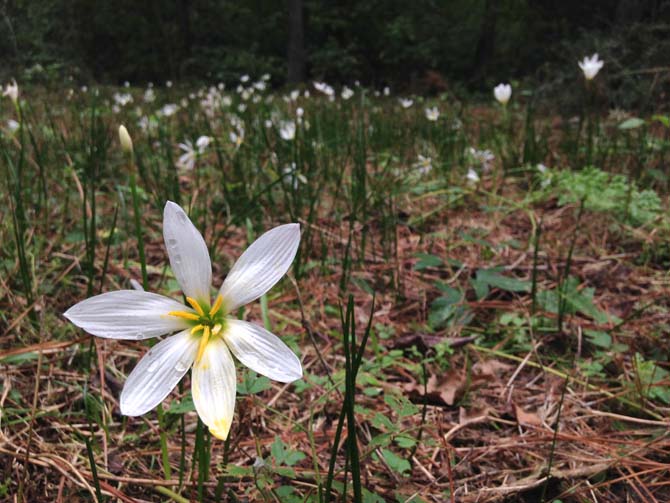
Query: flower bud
<point x="126" y="141"/>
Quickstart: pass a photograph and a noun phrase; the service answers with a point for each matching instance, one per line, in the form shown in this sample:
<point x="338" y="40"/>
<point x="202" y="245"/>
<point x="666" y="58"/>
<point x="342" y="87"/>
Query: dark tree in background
<point x="296" y="43"/>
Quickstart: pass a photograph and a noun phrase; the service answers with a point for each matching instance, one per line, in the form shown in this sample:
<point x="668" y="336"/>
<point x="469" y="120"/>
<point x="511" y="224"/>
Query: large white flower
<point x="205" y="336"/>
<point x="502" y="92"/>
<point x="591" y="66"/>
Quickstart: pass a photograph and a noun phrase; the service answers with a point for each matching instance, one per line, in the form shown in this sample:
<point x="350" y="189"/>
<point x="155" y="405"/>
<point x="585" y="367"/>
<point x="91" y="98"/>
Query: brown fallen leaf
<point x="523" y="417"/>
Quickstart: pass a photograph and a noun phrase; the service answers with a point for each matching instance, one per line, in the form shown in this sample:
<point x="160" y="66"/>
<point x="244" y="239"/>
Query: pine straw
<point x="489" y="420"/>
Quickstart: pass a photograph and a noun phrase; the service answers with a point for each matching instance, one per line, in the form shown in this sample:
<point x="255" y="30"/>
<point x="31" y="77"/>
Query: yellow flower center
<point x="210" y="322"/>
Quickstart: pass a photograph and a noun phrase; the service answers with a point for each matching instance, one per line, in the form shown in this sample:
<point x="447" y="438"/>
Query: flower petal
<point x="261" y="266"/>
<point x="213" y="386"/>
<point x="262" y="351"/>
<point x="127" y="314"/>
<point x="157" y="373"/>
<point x="188" y="253"/>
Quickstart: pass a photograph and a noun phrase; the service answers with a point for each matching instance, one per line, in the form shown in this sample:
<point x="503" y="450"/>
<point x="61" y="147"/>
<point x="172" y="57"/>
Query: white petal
<point x="157" y="373"/>
<point x="262" y="351"/>
<point x="127" y="314"/>
<point x="188" y="253"/>
<point x="261" y="266"/>
<point x="213" y="386"/>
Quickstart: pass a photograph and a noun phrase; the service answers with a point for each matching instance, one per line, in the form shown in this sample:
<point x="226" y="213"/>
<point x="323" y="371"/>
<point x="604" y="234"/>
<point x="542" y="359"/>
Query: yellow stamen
<point x="216" y="306"/>
<point x="184" y="314"/>
<point x="195" y="305"/>
<point x="203" y="344"/>
<point x="197" y="328"/>
<point x="216" y="328"/>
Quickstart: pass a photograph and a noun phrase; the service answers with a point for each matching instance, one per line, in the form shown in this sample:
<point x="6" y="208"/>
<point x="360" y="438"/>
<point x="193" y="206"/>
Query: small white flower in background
<point x="472" y="176"/>
<point x="324" y="88"/>
<point x="287" y="130"/>
<point x="260" y="85"/>
<point x="221" y="86"/>
<point x="295" y="94"/>
<point x="406" y="102"/>
<point x="503" y="92"/>
<point x="191" y="154"/>
<point x="387" y="91"/>
<point x="204" y="336"/>
<point x="168" y="110"/>
<point x="12" y="91"/>
<point x="299" y="112"/>
<point x="545" y="175"/>
<point x="149" y="95"/>
<point x="237" y="136"/>
<point x="12" y="125"/>
<point x="541" y="168"/>
<point x="183" y="102"/>
<point x="291" y="172"/>
<point x="242" y="107"/>
<point x="432" y="114"/>
<point x="268" y="123"/>
<point x="591" y="66"/>
<point x="265" y="77"/>
<point x="126" y="84"/>
<point x="168" y="84"/>
<point x="347" y="93"/>
<point x="484" y="158"/>
<point x="122" y="99"/>
<point x="244" y="78"/>
<point x="424" y="164"/>
<point x="306" y="94"/>
<point x="84" y="89"/>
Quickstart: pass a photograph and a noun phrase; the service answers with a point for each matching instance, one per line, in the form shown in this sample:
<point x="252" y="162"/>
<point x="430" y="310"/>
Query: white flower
<point x="168" y="110"/>
<point x="149" y="95"/>
<point x="291" y="172"/>
<point x="502" y="92"/>
<point x="287" y="130"/>
<point x="424" y="164"/>
<point x="244" y="78"/>
<point x="237" y="136"/>
<point x="191" y="154"/>
<point x="293" y="95"/>
<point x="125" y="139"/>
<point x="204" y="336"/>
<point x="324" y="88"/>
<point x="472" y="176"/>
<point x="484" y="158"/>
<point x="122" y="99"/>
<point x="387" y="91"/>
<point x="12" y="125"/>
<point x="347" y="93"/>
<point x="406" y="102"/>
<point x="12" y="91"/>
<point x="591" y="66"/>
<point x="432" y="114"/>
<point x="299" y="112"/>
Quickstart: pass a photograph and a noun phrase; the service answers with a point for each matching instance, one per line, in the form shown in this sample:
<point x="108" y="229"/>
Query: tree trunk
<point x="296" y="43"/>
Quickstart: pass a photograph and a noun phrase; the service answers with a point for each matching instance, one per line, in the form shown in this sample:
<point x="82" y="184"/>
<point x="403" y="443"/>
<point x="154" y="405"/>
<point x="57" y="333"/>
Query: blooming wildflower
<point x="287" y="130"/>
<point x="12" y="125"/>
<point x="432" y="114"/>
<point x="12" y="91"/>
<point x="244" y="78"/>
<point x="406" y="102"/>
<point x="293" y="95"/>
<point x="291" y="172"/>
<point x="387" y="91"/>
<point x="347" y="93"/>
<point x="191" y="153"/>
<point x="324" y="88"/>
<point x="484" y="158"/>
<point x="299" y="112"/>
<point x="204" y="336"/>
<point x="472" y="176"/>
<point x="424" y="164"/>
<point x="122" y="99"/>
<point x="168" y="110"/>
<point x="168" y="84"/>
<point x="591" y="66"/>
<point x="149" y="95"/>
<point x="502" y="92"/>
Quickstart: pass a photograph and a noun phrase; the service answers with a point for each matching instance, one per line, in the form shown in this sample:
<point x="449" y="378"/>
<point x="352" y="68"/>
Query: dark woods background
<point x="421" y="45"/>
